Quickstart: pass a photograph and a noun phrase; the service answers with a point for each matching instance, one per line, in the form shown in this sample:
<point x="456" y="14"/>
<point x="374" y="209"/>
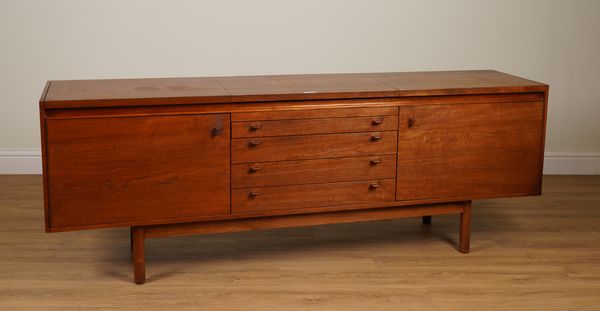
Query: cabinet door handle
<point x="376" y="121"/>
<point x="375" y="137"/>
<point x="374" y="186"/>
<point x="253" y="194"/>
<point x="216" y="131"/>
<point x="375" y="161"/>
<point x="255" y="126"/>
<point x="254" y="143"/>
<point x="253" y="169"/>
<point x="411" y="122"/>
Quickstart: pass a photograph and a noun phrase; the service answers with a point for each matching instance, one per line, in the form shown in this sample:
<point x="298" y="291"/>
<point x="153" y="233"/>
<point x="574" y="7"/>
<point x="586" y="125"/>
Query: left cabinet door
<point x="122" y="171"/>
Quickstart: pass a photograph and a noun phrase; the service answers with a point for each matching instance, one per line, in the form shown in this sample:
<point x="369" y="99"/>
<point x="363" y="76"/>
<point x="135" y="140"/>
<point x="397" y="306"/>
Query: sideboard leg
<point x="137" y="258"/>
<point x="465" y="228"/>
<point x="427" y="220"/>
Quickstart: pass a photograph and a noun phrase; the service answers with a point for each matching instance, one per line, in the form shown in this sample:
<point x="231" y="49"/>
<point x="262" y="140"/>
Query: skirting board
<point x="20" y="162"/>
<point x="572" y="163"/>
<point x="555" y="162"/>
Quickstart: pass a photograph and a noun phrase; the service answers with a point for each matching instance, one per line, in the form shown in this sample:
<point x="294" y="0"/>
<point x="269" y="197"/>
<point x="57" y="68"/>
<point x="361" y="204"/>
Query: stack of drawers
<point x="283" y="160"/>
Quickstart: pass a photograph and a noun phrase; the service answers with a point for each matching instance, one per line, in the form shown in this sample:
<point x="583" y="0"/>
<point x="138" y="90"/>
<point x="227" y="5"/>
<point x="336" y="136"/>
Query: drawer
<point x="313" y="126"/>
<point x="314" y="114"/>
<point x="245" y="150"/>
<point x="310" y="196"/>
<point x="313" y="171"/>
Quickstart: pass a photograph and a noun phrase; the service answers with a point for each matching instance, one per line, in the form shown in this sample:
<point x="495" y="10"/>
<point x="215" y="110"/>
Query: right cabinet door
<point x="469" y="151"/>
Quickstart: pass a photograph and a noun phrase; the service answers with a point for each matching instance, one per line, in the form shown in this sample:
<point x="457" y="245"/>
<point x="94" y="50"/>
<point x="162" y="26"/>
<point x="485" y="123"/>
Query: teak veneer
<point x="180" y="156"/>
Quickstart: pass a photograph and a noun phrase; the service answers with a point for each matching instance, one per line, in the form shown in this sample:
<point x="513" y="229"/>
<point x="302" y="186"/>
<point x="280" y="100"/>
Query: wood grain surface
<point x="161" y="91"/>
<point x="265" y="149"/>
<point x="313" y="126"/>
<point x="455" y="82"/>
<point x="313" y="195"/>
<point x="333" y="111"/>
<point x="280" y="110"/>
<point x="476" y="150"/>
<point x="300" y="172"/>
<point x="112" y="171"/>
<point x="531" y="253"/>
<point x="302" y="220"/>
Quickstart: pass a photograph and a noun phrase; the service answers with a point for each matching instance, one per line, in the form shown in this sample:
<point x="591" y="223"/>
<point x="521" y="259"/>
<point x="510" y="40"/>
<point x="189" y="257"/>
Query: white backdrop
<point x="556" y="42"/>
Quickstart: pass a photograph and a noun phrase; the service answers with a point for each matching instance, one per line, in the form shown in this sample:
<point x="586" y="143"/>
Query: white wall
<point x="556" y="42"/>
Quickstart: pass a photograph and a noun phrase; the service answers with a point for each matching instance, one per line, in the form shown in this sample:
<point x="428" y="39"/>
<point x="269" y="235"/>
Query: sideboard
<point x="181" y="156"/>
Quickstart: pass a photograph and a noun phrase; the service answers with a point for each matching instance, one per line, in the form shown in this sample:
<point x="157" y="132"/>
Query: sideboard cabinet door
<point x="113" y="171"/>
<point x="469" y="150"/>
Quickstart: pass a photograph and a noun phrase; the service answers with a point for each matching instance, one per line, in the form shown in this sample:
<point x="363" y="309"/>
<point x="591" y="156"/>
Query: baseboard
<point x="572" y="163"/>
<point x="20" y="162"/>
<point x="555" y="162"/>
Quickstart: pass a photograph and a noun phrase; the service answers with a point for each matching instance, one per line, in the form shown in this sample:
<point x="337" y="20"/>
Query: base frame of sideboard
<point x="140" y="233"/>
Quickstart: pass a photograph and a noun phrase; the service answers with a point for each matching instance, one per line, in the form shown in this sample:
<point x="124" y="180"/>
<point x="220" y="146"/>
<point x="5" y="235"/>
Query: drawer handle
<point x="375" y="137"/>
<point x="376" y="122"/>
<point x="253" y="169"/>
<point x="253" y="194"/>
<point x="255" y="126"/>
<point x="411" y="122"/>
<point x="375" y="161"/>
<point x="374" y="186"/>
<point x="254" y="143"/>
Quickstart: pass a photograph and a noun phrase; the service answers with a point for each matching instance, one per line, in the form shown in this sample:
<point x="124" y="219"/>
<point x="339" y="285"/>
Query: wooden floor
<point x="535" y="253"/>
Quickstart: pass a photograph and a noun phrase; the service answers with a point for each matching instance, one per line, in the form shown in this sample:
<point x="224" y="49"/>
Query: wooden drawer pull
<point x="411" y="122"/>
<point x="376" y="137"/>
<point x="374" y="186"/>
<point x="253" y="194"/>
<point x="254" y="143"/>
<point x="253" y="169"/>
<point x="375" y="161"/>
<point x="255" y="126"/>
<point x="376" y="121"/>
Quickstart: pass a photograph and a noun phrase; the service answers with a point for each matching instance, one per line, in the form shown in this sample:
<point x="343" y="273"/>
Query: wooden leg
<point x="427" y="220"/>
<point x="137" y="258"/>
<point x="465" y="228"/>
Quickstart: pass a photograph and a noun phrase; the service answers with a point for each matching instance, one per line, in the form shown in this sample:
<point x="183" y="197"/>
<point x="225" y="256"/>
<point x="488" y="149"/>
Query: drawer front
<point x="314" y="114"/>
<point x="246" y="150"/>
<point x="310" y="196"/>
<point x="313" y="126"/>
<point x="313" y="171"/>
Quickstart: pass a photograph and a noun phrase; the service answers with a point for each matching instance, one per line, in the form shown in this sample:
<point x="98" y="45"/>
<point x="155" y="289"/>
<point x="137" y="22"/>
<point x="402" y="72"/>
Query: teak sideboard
<point x="180" y="156"/>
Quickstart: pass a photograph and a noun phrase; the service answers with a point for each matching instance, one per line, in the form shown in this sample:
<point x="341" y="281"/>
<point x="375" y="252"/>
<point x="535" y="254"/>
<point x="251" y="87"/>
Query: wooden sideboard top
<point x="169" y="91"/>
